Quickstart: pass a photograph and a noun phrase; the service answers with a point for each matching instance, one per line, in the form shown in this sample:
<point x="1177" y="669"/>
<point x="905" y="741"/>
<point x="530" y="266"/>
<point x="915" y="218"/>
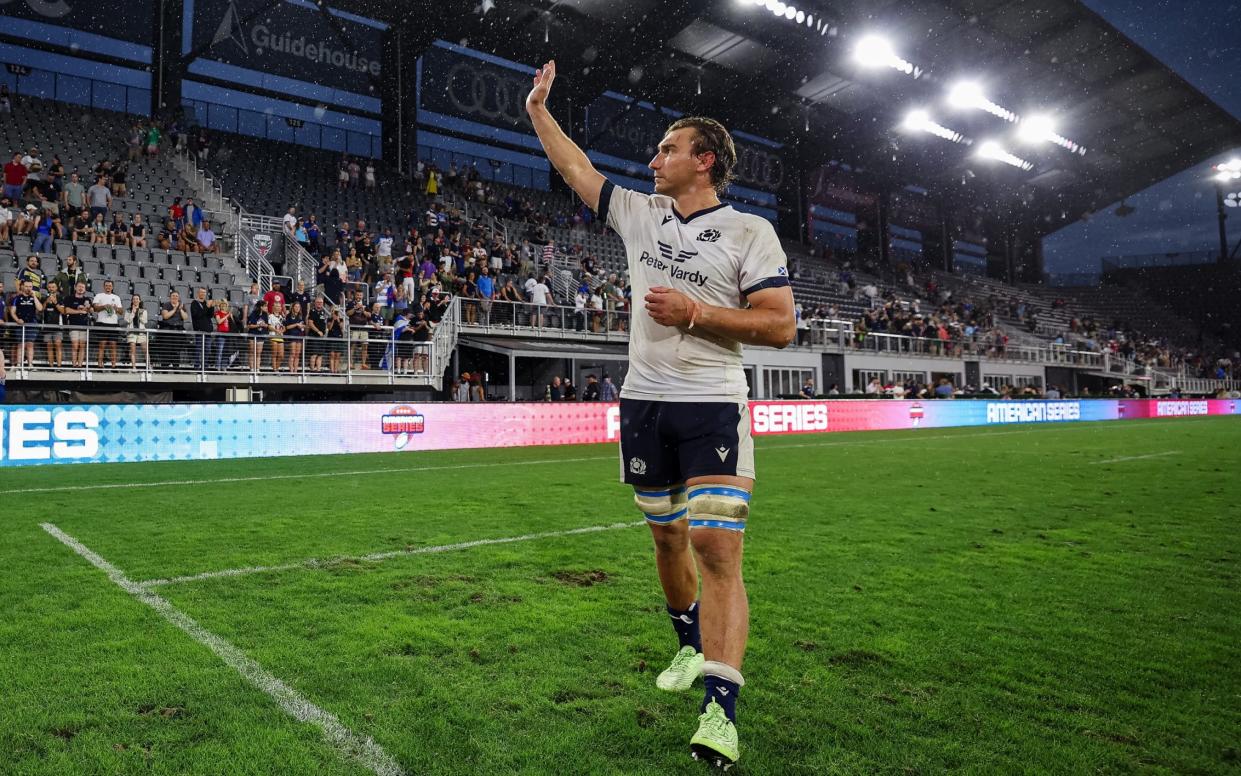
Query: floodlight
<point x="919" y="120"/>
<point x="790" y="12"/>
<point x="777" y="8"/>
<point x="1036" y="129"/>
<point x="801" y="17"/>
<point x="916" y="120"/>
<point x="873" y="51"/>
<point x="990" y="149"/>
<point x="966" y="94"/>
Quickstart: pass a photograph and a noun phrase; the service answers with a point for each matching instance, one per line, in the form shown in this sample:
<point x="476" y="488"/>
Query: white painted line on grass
<point x="312" y="563"/>
<point x="1137" y="457"/>
<point x="361" y="749"/>
<point x="302" y="476"/>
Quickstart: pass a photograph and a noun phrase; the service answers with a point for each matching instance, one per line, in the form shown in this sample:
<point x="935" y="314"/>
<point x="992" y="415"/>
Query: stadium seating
<point x="82" y="137"/>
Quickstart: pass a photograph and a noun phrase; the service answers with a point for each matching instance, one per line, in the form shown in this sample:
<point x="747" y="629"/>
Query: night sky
<point x="1200" y="40"/>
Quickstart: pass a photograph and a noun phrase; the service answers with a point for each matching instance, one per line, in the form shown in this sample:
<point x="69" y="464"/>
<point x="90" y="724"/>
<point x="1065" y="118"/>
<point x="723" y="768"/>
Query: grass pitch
<point x="997" y="600"/>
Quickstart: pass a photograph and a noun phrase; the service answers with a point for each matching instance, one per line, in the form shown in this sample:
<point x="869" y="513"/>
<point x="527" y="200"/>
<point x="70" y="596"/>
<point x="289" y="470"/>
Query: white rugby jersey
<point x="716" y="256"/>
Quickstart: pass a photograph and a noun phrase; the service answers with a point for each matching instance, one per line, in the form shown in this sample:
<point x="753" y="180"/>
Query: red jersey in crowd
<point x="14" y="174"/>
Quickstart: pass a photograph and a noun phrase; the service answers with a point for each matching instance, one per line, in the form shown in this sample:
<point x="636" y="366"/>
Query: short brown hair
<point x="710" y="136"/>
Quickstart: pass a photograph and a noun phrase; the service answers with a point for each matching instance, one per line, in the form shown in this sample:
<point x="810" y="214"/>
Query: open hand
<point x="543" y="78"/>
<point x="669" y="307"/>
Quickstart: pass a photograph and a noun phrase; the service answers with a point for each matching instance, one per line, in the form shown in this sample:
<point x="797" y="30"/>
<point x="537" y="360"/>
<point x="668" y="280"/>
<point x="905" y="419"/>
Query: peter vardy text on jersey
<point x="676" y="273"/>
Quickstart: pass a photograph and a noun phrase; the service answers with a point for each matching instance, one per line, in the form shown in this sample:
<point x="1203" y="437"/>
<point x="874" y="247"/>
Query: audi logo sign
<point x="487" y="93"/>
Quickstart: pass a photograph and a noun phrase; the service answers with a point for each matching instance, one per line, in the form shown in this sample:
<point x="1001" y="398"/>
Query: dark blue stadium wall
<point x="47" y="52"/>
<point x="285" y="70"/>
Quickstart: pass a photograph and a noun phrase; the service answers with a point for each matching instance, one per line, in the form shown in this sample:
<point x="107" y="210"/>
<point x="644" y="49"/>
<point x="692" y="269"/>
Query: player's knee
<point x="670" y="537"/>
<point x="718" y="552"/>
<point x="661" y="507"/>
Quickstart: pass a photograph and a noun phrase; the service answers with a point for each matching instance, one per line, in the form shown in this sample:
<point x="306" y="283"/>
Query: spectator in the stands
<point x="187" y="238"/>
<point x="591" y="391"/>
<point x="944" y="389"/>
<point x="73" y="195"/>
<point x="136" y="331"/>
<point x="99" y="197"/>
<point x="554" y="391"/>
<point x="370" y="175"/>
<point x="24" y="220"/>
<point x="47" y="230"/>
<point x="32" y="273"/>
<point x="78" y="225"/>
<point x="420" y="331"/>
<point x="290" y="220"/>
<point x="202" y="321"/>
<point x="355" y="171"/>
<point x="134" y="142"/>
<point x="295" y="334"/>
<point x="1052" y="392"/>
<point x="257" y="328"/>
<point x="52" y="319"/>
<point x="335" y="340"/>
<point x="15" y="174"/>
<point x="570" y="393"/>
<point x="384" y="296"/>
<point x="118" y="230"/>
<point x="383" y="250"/>
<point x="152" y="139"/>
<point x="193" y="214"/>
<point x="6" y="220"/>
<point x="119" y="180"/>
<point x="359" y="318"/>
<point x="342" y="176"/>
<point x="172" y="318"/>
<point x="98" y="230"/>
<point x="167" y="236"/>
<point x="313" y="234"/>
<point x="25" y="310"/>
<point x="874" y="387"/>
<point x="77" y="309"/>
<point x="176" y="213"/>
<point x="433" y="183"/>
<point x="275" y="330"/>
<point x="206" y="239"/>
<point x="108" y="311"/>
<point x="331" y="274"/>
<point x="316" y="333"/>
<point x="300" y="236"/>
<point x="807" y="388"/>
<point x="6" y="106"/>
<point x="70" y="275"/>
<point x="299" y="297"/>
<point x="138" y="231"/>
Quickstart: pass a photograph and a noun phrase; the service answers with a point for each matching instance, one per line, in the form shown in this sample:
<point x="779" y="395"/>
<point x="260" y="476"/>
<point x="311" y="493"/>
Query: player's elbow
<point x="783" y="335"/>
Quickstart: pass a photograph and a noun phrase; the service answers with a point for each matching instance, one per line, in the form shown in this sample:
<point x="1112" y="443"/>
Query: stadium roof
<point x="1137" y="119"/>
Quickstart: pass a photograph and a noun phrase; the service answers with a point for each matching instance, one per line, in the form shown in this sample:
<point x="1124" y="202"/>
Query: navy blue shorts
<point x="667" y="443"/>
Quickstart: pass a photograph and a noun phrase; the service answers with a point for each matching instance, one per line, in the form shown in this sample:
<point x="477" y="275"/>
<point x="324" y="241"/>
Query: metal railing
<point x="371" y="354"/>
<point x="529" y="319"/>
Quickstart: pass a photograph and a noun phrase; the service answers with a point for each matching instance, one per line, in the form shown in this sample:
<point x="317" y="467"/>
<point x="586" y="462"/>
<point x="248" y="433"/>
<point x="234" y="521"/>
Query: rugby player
<point x="710" y="279"/>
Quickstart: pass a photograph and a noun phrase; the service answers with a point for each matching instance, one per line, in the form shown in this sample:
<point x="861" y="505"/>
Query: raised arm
<point x="569" y="160"/>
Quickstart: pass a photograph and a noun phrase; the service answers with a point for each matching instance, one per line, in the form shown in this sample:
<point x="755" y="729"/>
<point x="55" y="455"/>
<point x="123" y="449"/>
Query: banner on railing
<point x="57" y="434"/>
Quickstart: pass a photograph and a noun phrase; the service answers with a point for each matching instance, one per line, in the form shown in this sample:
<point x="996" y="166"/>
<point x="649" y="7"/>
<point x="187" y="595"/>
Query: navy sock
<point x="686" y="625"/>
<point x="722" y="692"/>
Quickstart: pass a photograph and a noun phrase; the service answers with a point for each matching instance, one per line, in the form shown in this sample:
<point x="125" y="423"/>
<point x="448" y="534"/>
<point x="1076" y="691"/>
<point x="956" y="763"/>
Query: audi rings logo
<point x="759" y="168"/>
<point x="487" y="93"/>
